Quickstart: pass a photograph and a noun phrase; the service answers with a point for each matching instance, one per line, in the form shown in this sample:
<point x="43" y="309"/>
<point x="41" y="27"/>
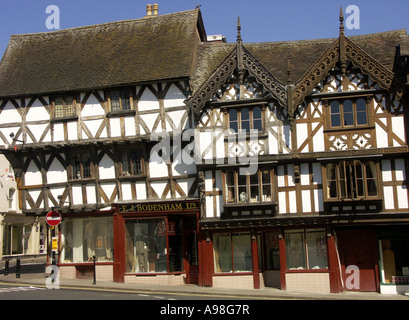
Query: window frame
<point x="72" y="115"/>
<point x="251" y="120"/>
<point x="230" y="236"/>
<point x="235" y="199"/>
<point x="120" y="92"/>
<point x="91" y="168"/>
<point x="347" y="188"/>
<point x="128" y="153"/>
<point x="306" y="250"/>
<point x="341" y="112"/>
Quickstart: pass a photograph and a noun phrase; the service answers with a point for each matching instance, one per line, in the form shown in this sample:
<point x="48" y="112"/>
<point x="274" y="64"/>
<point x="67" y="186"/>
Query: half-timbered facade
<point x="175" y="160"/>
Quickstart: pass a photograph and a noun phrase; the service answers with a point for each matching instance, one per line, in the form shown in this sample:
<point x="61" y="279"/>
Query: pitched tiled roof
<point x="273" y="56"/>
<point x="111" y="54"/>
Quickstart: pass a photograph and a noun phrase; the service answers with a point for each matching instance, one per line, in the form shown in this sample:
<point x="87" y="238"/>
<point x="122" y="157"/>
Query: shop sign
<point x="160" y="207"/>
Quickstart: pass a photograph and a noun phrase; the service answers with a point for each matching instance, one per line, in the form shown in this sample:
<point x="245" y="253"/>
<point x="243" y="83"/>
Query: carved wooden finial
<point x="341" y="21"/>
<point x="289" y="76"/>
<point x="239" y="39"/>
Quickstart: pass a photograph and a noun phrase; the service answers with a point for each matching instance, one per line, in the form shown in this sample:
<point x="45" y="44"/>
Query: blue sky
<point x="262" y="20"/>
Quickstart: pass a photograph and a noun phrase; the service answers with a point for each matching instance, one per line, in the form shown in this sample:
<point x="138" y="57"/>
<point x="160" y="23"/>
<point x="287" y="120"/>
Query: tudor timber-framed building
<point x="328" y="190"/>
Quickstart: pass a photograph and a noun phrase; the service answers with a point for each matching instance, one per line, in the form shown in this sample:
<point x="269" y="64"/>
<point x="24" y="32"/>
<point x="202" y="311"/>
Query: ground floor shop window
<point x="153" y="245"/>
<point x="18" y="239"/>
<point x="83" y="238"/>
<point x="306" y="249"/>
<point x="395" y="256"/>
<point x="232" y="252"/>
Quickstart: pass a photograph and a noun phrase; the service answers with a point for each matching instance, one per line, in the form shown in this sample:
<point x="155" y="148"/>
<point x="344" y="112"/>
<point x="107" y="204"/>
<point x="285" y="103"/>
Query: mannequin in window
<point x="90" y="238"/>
<point x="388" y="261"/>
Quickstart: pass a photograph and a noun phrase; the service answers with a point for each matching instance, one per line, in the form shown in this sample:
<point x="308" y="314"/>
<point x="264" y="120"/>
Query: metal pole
<point x="18" y="268"/>
<point x="95" y="281"/>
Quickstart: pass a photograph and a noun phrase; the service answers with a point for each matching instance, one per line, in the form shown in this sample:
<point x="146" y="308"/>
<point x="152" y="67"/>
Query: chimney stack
<point x="148" y="10"/>
<point x="152" y="10"/>
<point x="155" y="9"/>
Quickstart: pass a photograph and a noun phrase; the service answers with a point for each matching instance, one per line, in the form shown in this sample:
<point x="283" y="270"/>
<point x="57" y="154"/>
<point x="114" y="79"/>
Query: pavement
<point x="32" y="273"/>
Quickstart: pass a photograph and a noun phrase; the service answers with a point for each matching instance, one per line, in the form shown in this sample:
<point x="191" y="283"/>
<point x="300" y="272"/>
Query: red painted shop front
<point x="156" y="242"/>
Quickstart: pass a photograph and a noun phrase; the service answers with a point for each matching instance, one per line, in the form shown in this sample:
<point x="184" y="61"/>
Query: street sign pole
<point x="53" y="219"/>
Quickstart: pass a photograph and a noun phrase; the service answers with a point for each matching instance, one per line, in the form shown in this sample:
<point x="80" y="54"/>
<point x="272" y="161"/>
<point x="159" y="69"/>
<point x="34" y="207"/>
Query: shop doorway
<point x="358" y="248"/>
<point x="191" y="257"/>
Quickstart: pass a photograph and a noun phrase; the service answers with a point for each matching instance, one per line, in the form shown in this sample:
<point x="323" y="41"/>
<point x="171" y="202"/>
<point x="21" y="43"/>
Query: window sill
<point x="307" y="271"/>
<point x="123" y="113"/>
<point x="351" y="128"/>
<point x="249" y="204"/>
<point x="64" y="119"/>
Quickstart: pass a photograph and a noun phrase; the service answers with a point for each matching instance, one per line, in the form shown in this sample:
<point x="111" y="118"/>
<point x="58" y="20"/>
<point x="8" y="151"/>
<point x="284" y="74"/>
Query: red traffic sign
<point x="53" y="218"/>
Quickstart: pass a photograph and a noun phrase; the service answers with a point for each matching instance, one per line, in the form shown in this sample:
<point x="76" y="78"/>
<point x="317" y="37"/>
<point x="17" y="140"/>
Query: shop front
<point x="240" y="254"/>
<point x="393" y="246"/>
<point x="156" y="243"/>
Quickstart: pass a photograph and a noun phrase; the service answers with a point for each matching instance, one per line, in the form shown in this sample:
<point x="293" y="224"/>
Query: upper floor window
<point x="351" y="180"/>
<point x="245" y="119"/>
<point x="120" y="100"/>
<point x="131" y="163"/>
<point x="64" y="106"/>
<point x="348" y="113"/>
<point x="242" y="189"/>
<point x="82" y="166"/>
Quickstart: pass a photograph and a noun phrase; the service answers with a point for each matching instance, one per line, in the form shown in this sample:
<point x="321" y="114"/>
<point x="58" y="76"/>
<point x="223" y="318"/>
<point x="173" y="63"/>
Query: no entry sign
<point x="53" y="218"/>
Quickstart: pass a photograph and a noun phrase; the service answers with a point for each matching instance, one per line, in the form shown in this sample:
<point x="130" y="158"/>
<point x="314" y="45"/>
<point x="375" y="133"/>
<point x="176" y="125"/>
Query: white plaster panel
<point x="130" y="126"/>
<point x="305" y="174"/>
<point x="282" y="208"/>
<point x="106" y="168"/>
<point x="58" y="130"/>
<point x="56" y="173"/>
<point x="72" y="127"/>
<point x="318" y="139"/>
<point x="157" y="169"/>
<point x="37" y="130"/>
<point x="402" y="197"/>
<point x="174" y="97"/>
<point x="115" y="127"/>
<point x="9" y="114"/>
<point x="388" y="197"/>
<point x="302" y="134"/>
<point x="91" y="196"/>
<point x="148" y="101"/>
<point x="37" y="111"/>
<point x="126" y="191"/>
<point x="140" y="188"/>
<point x="381" y="137"/>
<point x="33" y="175"/>
<point x="92" y="107"/>
<point x="398" y="128"/>
<point x="293" y="201"/>
<point x="306" y="200"/>
<point x="386" y="170"/>
<point x="108" y="189"/>
<point x="77" y="194"/>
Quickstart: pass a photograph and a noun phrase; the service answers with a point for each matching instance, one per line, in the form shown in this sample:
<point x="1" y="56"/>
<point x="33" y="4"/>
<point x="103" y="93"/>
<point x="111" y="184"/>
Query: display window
<point x="153" y="246"/>
<point x="306" y="249"/>
<point x="232" y="253"/>
<point x="83" y="238"/>
<point x="395" y="258"/>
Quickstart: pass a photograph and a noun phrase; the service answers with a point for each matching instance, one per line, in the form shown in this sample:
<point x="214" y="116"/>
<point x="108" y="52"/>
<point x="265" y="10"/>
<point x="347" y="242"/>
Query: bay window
<point x="349" y="180"/>
<point x="242" y="189"/>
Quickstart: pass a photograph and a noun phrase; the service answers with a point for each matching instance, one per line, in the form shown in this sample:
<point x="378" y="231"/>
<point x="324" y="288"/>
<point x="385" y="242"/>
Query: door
<point x="191" y="257"/>
<point x="358" y="248"/>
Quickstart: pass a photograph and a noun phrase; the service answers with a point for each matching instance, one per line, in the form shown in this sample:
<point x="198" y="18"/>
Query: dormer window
<point x="120" y="100"/>
<point x="245" y="119"/>
<point x="64" y="106"/>
<point x="348" y="113"/>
